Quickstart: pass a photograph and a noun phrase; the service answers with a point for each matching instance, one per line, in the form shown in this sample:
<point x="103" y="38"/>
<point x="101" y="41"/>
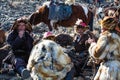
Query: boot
<point x="24" y="73"/>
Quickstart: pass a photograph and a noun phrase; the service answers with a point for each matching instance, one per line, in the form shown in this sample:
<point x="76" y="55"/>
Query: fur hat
<point x="80" y="24"/>
<point x="109" y="23"/>
<point x="24" y="20"/>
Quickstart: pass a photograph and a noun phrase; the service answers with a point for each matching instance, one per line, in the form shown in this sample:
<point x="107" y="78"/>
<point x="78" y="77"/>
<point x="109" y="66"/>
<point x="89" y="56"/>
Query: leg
<point x="50" y="26"/>
<point x="70" y="75"/>
<point x="20" y="67"/>
<point x="18" y="63"/>
<point x="53" y="23"/>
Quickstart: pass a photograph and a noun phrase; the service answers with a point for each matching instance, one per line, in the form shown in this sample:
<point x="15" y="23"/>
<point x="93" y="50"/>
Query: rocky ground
<point x="10" y="10"/>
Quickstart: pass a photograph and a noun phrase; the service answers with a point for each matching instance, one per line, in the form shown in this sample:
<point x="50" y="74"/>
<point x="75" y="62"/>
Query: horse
<point x="78" y="11"/>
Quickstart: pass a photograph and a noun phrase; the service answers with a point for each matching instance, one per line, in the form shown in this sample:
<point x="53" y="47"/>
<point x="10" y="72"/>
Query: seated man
<point x="81" y="46"/>
<point x="80" y="38"/>
<point x="21" y="44"/>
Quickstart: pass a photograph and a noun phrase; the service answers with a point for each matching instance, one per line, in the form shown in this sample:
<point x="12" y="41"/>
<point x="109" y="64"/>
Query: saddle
<point x="59" y="11"/>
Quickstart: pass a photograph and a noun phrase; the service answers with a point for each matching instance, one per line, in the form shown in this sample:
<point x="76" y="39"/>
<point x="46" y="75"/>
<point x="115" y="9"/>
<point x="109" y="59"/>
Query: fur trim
<point x="108" y="71"/>
<point x="107" y="42"/>
<point x="28" y="26"/>
<point x="98" y="48"/>
<point x="109" y="23"/>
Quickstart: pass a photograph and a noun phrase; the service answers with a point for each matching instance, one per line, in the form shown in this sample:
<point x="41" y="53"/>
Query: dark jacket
<point x="20" y="45"/>
<point x="80" y="43"/>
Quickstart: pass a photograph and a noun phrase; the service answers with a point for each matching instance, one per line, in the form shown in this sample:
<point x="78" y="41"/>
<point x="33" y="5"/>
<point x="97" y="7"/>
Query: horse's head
<point x="39" y="15"/>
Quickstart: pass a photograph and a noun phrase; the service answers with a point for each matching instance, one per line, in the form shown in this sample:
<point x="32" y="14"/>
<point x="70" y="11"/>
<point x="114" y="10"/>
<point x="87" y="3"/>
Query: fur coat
<point x="107" y="48"/>
<point x="48" y="61"/>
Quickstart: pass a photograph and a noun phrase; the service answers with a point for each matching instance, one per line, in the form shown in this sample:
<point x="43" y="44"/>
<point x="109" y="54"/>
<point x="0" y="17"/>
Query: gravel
<point x="10" y="10"/>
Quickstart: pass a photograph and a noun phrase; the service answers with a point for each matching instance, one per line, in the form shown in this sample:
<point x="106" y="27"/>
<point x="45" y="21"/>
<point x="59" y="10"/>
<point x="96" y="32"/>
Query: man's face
<point x="21" y="26"/>
<point x="80" y="31"/>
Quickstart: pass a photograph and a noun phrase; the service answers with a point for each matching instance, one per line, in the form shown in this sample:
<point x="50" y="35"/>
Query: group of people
<point x="21" y="42"/>
<point x="106" y="48"/>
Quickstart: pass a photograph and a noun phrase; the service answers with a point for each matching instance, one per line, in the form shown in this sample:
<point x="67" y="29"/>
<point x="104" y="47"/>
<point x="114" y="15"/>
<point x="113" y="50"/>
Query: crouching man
<point x="107" y="49"/>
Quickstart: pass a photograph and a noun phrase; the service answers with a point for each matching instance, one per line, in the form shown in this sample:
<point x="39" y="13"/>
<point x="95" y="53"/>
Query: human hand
<point x="90" y="40"/>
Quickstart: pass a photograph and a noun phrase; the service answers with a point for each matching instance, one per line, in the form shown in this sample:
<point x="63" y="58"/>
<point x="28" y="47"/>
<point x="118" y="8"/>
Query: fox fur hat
<point x="28" y="26"/>
<point x="109" y="23"/>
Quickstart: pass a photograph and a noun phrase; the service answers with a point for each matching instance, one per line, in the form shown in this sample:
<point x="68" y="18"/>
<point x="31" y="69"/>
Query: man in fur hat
<point x="107" y="49"/>
<point x="81" y="37"/>
<point x="81" y="46"/>
<point x="21" y="44"/>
